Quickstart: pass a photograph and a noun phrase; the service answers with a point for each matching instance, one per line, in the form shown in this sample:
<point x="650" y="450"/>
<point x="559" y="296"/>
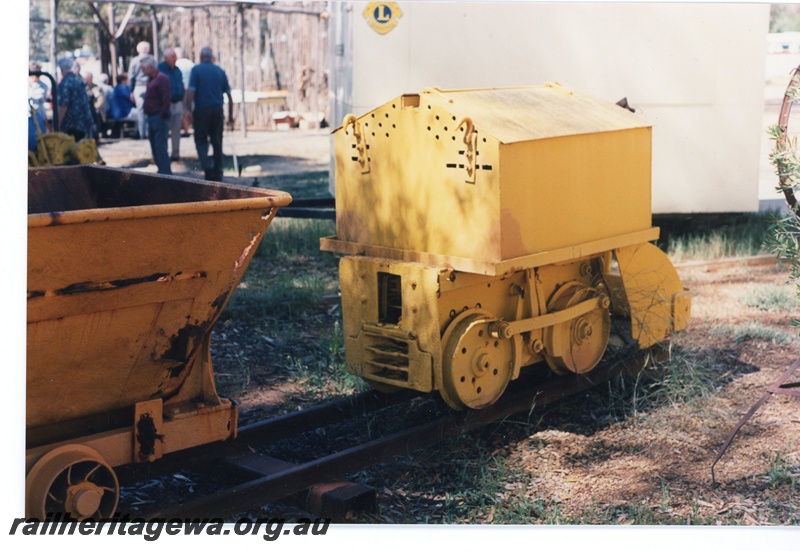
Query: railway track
<point x="253" y="476"/>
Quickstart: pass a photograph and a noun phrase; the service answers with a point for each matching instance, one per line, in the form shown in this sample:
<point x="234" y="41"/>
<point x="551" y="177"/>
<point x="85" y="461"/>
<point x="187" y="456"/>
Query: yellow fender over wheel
<point x="657" y="302"/>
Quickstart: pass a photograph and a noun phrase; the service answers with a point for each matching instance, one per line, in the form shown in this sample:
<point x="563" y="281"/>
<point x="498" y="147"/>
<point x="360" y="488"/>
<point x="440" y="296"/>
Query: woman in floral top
<point x="74" y="113"/>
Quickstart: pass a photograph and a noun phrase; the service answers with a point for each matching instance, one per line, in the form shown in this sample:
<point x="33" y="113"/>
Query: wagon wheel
<point x="476" y="367"/>
<point x="72" y="479"/>
<point x="785" y="154"/>
<point x="576" y="345"/>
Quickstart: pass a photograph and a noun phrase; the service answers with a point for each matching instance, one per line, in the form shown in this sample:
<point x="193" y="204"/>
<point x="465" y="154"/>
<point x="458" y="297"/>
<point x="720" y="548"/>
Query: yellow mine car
<point x="127" y="275"/>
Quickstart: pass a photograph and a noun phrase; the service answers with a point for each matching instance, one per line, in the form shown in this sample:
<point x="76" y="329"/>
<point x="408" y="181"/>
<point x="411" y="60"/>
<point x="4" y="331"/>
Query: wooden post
<point x="54" y="36"/>
<point x="259" y="78"/>
<point x="154" y="21"/>
<point x="100" y="39"/>
<point x="112" y="43"/>
<point x="191" y="53"/>
<point x="243" y="110"/>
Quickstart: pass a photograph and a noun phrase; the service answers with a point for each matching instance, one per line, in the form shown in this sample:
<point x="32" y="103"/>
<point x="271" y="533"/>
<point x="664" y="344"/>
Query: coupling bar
<point x="507" y="329"/>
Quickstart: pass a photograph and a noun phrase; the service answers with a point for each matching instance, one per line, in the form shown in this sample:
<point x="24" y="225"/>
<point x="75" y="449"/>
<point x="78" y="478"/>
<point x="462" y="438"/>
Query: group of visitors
<point x="169" y="105"/>
<point x="164" y="99"/>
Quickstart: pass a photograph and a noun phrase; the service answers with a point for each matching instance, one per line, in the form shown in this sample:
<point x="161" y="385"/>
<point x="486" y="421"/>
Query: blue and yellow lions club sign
<point x="382" y="16"/>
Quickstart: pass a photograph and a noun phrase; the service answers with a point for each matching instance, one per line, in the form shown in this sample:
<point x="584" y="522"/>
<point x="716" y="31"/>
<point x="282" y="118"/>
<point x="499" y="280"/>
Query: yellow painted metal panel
<point x="180" y="431"/>
<point x="527" y="113"/>
<point x="657" y="302"/>
<point x="400" y="347"/>
<point x="505" y="267"/>
<point x="413" y="195"/>
<point x="562" y="192"/>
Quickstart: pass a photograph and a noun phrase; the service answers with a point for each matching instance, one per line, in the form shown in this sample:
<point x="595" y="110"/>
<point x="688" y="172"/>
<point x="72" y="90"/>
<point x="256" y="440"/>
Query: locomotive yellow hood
<point x="491" y="179"/>
<point x="520" y="114"/>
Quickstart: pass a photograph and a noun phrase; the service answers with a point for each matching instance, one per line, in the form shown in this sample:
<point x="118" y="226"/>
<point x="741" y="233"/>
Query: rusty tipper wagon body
<point x="127" y="274"/>
<point x="483" y="224"/>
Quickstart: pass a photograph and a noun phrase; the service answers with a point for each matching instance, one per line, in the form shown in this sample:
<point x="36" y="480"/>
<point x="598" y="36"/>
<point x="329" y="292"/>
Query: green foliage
<point x="784" y="18"/>
<point x="683" y="378"/>
<point x="70" y="36"/>
<point x="39" y="37"/>
<point x="785" y="243"/>
<point x="784" y="238"/>
<point x="780" y="472"/>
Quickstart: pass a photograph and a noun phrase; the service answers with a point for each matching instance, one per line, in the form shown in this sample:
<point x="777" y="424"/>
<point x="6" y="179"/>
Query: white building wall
<point x="695" y="71"/>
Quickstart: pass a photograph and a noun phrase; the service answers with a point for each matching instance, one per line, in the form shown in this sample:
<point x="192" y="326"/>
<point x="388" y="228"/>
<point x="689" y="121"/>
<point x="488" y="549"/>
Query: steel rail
<point x="522" y="398"/>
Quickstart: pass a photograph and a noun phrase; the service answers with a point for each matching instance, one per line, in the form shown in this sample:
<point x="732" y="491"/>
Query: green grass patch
<point x="683" y="377"/>
<point x="753" y="331"/>
<point x="746" y="237"/>
<point x="782" y="471"/>
<point x="305" y="185"/>
<point x="296" y="240"/>
<point x="323" y="376"/>
<point x="771" y="298"/>
<point x="284" y="296"/>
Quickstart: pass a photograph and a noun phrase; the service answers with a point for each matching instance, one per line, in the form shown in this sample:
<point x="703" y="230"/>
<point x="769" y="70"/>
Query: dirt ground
<point x="662" y="457"/>
<point x="261" y="153"/>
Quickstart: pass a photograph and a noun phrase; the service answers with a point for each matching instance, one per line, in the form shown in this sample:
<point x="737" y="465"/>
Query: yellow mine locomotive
<point x="492" y="229"/>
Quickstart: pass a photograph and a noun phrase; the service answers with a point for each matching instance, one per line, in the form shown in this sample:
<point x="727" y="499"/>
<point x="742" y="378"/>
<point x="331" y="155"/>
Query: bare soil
<point x="260" y="154"/>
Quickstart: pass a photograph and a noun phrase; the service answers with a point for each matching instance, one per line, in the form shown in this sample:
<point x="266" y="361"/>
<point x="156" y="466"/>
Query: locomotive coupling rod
<point x="507" y="329"/>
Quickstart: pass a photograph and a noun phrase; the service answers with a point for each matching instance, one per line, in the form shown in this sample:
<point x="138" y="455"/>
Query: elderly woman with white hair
<point x="74" y="113"/>
<point x="138" y="80"/>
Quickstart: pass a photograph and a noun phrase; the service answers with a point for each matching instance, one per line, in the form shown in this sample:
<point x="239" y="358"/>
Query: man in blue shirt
<point x="207" y="83"/>
<point x="169" y="68"/>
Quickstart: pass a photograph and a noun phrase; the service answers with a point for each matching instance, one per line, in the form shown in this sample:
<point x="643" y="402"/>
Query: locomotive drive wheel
<point x="577" y="345"/>
<point x="476" y="367"/>
<point x="72" y="479"/>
